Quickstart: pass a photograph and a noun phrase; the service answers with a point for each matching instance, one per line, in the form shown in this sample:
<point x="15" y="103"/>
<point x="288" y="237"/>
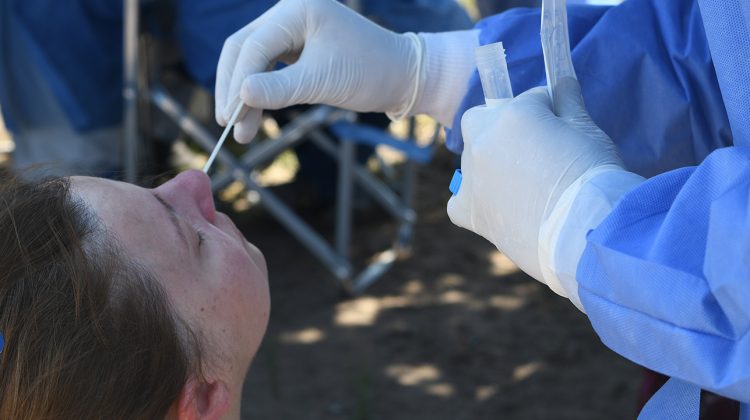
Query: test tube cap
<point x="490" y="54"/>
<point x="455" y="184"/>
<point x="493" y="71"/>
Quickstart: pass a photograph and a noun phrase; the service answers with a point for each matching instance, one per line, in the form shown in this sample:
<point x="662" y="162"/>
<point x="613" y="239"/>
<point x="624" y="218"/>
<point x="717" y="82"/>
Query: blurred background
<point x="450" y="329"/>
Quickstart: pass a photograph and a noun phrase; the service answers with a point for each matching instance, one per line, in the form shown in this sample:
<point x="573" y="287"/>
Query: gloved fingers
<point x="570" y="104"/>
<point x="473" y="123"/>
<point x="572" y="109"/>
<point x="247" y="127"/>
<point x="460" y="204"/>
<point x="226" y="65"/>
<point x="275" y="33"/>
<point x="458" y="211"/>
<point x="277" y="89"/>
<point x="227" y="59"/>
<point x="535" y="98"/>
<point x="259" y="50"/>
<point x="469" y="129"/>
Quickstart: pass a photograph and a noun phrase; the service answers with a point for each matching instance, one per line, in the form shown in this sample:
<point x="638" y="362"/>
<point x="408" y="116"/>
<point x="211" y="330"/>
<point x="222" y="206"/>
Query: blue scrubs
<point x="202" y="26"/>
<point x="665" y="279"/>
<point x="76" y="46"/>
<point x="77" y="49"/>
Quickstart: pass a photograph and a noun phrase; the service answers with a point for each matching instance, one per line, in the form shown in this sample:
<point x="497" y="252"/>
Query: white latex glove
<point x="518" y="160"/>
<point x="336" y="57"/>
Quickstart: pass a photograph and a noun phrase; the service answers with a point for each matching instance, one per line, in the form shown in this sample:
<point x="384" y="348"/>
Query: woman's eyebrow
<point x="173" y="217"/>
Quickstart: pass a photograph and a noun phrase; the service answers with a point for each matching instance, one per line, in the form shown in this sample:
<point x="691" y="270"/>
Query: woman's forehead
<point x="127" y="210"/>
<point x="137" y="221"/>
<point x="105" y="195"/>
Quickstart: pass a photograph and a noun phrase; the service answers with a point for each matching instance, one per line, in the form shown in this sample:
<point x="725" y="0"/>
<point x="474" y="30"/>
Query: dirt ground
<point x="452" y="332"/>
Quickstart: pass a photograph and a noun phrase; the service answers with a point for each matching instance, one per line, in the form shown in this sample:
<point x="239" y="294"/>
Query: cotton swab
<point x="223" y="137"/>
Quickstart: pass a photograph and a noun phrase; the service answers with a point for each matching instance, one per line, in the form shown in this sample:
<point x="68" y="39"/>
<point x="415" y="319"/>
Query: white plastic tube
<point x="223" y="137"/>
<point x="558" y="62"/>
<point x="493" y="72"/>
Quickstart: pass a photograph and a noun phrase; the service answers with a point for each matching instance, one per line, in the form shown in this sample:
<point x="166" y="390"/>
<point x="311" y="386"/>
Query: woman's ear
<point x="200" y="400"/>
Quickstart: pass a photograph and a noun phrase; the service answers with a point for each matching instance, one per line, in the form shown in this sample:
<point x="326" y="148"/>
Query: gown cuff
<point x="581" y="208"/>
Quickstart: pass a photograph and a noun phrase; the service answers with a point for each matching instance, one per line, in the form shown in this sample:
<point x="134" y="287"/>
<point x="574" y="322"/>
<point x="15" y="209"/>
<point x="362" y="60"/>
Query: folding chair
<point x="140" y="87"/>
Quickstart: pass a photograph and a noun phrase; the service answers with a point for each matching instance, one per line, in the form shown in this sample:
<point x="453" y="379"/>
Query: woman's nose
<point x="188" y="191"/>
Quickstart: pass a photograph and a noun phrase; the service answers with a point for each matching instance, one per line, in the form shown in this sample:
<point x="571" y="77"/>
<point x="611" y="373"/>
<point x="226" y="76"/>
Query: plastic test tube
<point x="493" y="72"/>
<point x="558" y="63"/>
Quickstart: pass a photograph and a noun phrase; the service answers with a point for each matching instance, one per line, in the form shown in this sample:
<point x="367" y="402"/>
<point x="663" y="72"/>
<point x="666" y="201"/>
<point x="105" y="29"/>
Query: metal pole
<point x="294" y="133"/>
<point x="344" y="197"/>
<point x="373" y="186"/>
<point x="407" y="192"/>
<point x="355" y="5"/>
<point x="315" y="243"/>
<point x="130" y="90"/>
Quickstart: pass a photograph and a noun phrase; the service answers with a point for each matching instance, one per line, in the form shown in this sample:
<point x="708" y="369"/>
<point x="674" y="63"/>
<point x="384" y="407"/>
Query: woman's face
<point x="216" y="279"/>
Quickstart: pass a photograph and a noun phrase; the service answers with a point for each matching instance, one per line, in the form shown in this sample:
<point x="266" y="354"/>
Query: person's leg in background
<point x="43" y="135"/>
<point x="713" y="407"/>
<point x="493" y="7"/>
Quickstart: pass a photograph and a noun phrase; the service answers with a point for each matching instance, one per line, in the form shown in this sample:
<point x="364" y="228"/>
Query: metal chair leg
<point x="130" y="90"/>
<point x="313" y="241"/>
<point x="344" y="197"/>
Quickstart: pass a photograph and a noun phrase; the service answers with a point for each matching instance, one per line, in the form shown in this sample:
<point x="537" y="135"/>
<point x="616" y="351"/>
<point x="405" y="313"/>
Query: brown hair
<point x="88" y="333"/>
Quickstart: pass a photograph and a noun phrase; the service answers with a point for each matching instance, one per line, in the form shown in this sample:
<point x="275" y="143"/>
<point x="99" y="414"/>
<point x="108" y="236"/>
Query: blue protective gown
<point x="646" y="75"/>
<point x="665" y="279"/>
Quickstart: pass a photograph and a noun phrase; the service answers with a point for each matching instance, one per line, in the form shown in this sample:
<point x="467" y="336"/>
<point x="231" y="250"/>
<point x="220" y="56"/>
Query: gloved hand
<point x="518" y="159"/>
<point x="336" y="57"/>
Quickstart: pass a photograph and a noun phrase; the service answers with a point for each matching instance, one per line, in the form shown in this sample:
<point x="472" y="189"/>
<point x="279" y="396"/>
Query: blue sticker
<point x="456" y="182"/>
<point x="2" y="342"/>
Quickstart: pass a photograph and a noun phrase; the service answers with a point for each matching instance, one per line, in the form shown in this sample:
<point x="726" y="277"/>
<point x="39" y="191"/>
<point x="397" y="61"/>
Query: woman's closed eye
<point x="201" y="237"/>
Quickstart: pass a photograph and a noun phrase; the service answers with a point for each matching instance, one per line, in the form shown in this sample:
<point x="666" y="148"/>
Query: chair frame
<point x="142" y="89"/>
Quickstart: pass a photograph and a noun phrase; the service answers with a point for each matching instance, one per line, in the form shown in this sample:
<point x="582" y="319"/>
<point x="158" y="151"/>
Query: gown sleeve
<point x="646" y="75"/>
<point x="665" y="278"/>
